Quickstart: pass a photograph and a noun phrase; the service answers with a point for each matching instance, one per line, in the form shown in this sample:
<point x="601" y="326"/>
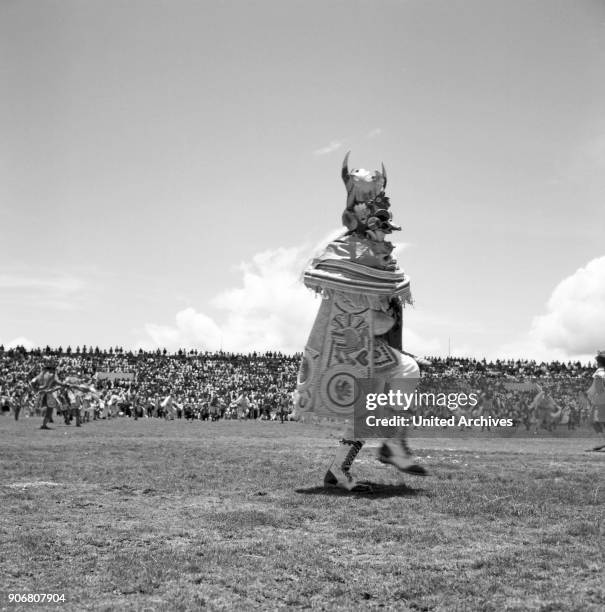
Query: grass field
<point x="149" y="515"/>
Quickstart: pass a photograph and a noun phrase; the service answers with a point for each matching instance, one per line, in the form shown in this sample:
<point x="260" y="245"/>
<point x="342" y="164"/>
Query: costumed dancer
<point x="546" y="412"/>
<point x="47" y="385"/>
<point x="76" y="390"/>
<point x="357" y="333"/>
<point x="596" y="397"/>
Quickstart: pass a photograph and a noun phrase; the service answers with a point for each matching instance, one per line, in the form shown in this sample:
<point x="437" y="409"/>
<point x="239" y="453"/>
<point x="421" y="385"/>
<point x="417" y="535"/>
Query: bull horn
<point x="345" y="169"/>
<point x="384" y="176"/>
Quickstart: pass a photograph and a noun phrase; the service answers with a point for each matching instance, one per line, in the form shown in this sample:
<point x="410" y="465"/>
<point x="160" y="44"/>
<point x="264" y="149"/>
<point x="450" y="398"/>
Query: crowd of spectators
<point x="508" y="388"/>
<point x="187" y="384"/>
<point x="212" y="385"/>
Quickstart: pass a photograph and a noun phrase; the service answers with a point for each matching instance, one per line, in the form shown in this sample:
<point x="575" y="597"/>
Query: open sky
<point x="168" y="168"/>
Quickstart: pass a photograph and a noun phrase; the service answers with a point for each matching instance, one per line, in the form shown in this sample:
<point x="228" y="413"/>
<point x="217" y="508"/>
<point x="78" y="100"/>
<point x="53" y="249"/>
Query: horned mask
<point x="367" y="212"/>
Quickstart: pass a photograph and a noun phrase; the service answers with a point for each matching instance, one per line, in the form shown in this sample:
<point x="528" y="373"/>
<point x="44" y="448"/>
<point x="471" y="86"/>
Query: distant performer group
<point x="358" y="330"/>
<point x="47" y="385"/>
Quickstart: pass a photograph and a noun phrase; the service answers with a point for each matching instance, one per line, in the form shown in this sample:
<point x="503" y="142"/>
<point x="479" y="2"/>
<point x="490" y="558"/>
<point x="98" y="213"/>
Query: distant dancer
<point x="47" y="385"/>
<point x="596" y="397"/>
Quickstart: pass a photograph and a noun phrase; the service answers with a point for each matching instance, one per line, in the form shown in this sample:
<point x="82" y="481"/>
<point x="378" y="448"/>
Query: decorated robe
<point x="357" y="333"/>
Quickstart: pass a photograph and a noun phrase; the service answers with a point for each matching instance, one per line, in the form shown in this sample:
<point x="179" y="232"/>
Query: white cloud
<point x="192" y="329"/>
<point x="573" y="326"/>
<point x="60" y="283"/>
<point x="334" y="145"/>
<point x="270" y="310"/>
<point x="374" y="133"/>
<point x="575" y="318"/>
<point x="21" y="341"/>
<point x="53" y="290"/>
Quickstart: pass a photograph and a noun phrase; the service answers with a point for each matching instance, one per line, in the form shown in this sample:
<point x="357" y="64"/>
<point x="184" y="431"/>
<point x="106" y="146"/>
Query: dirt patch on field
<point x="33" y="483"/>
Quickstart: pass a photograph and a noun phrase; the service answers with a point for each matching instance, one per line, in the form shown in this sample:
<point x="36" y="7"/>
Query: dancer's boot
<point x="339" y="472"/>
<point x="397" y="453"/>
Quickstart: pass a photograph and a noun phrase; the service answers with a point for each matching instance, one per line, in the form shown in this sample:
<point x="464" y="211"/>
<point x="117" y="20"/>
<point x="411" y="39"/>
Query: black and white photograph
<point x="302" y="305"/>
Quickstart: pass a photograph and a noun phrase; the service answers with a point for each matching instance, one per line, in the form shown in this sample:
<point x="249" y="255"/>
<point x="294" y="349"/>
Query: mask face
<point x="364" y="185"/>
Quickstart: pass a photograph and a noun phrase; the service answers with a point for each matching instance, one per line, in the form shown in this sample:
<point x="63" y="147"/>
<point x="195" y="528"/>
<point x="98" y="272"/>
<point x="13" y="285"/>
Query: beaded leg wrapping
<point x="356" y="446"/>
<point x="339" y="473"/>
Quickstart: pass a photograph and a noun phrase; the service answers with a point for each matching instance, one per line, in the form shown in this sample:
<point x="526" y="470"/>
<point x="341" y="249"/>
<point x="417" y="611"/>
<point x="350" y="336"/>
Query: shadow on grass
<point x="376" y="490"/>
